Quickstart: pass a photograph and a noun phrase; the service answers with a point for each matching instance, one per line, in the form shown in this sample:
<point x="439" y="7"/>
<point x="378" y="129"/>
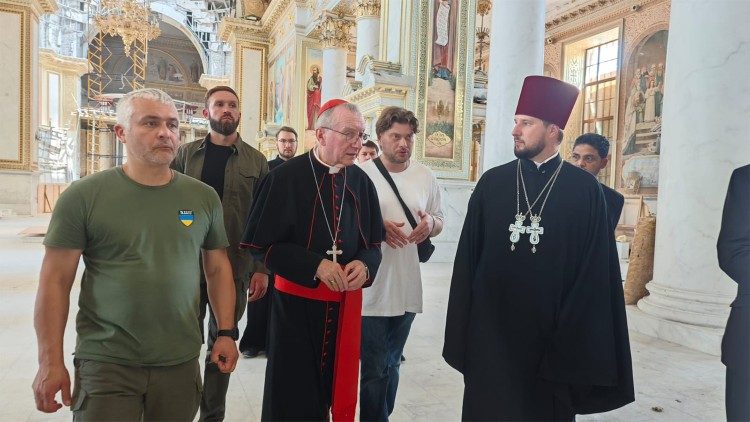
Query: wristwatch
<point x="234" y="333"/>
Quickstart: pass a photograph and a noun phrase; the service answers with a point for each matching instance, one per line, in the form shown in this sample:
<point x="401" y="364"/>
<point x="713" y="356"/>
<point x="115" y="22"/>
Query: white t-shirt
<point x="398" y="285"/>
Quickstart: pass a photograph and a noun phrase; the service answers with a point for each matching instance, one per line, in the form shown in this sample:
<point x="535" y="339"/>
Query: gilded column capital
<point x="367" y="8"/>
<point x="335" y="31"/>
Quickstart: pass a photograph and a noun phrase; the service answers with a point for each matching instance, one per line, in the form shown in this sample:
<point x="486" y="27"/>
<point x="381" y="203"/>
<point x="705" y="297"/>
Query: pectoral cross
<point x="534" y="230"/>
<point x="516" y="230"/>
<point x="334" y="252"/>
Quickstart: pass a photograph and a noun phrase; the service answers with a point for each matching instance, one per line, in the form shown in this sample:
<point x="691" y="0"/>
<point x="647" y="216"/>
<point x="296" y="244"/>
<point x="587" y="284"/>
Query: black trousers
<point x="738" y="395"/>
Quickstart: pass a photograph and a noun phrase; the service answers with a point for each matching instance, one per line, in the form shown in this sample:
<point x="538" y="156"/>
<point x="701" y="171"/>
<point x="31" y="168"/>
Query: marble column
<point x="368" y="31"/>
<point x="19" y="89"/>
<point x="704" y="137"/>
<point x="516" y="51"/>
<point x="334" y="36"/>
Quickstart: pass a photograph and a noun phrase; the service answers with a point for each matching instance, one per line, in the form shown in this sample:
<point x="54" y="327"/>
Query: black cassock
<point x="615" y="202"/>
<point x="538" y="336"/>
<point x="287" y="229"/>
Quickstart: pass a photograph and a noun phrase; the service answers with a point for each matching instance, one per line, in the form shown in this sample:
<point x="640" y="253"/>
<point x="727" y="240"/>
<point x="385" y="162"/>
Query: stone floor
<point x="673" y="383"/>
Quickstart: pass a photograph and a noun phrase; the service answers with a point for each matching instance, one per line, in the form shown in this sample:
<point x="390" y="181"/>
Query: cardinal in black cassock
<point x="303" y="208"/>
<point x="536" y="322"/>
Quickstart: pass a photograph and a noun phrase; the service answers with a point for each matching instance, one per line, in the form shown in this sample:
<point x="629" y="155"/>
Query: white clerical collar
<point x="548" y="159"/>
<point x="331" y="169"/>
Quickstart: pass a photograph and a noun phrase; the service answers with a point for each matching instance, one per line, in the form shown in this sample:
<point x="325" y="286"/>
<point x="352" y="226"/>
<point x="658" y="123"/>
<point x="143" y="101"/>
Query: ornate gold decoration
<point x="439" y="139"/>
<point x="335" y="31"/>
<point x="592" y="14"/>
<point x="484" y="7"/>
<point x="130" y="20"/>
<point x="458" y="166"/>
<point x="367" y="8"/>
<point x="24" y="87"/>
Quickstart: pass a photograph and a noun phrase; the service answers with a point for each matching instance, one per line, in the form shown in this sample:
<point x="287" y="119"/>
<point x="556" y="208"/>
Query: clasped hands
<point x="351" y="277"/>
<point x="396" y="238"/>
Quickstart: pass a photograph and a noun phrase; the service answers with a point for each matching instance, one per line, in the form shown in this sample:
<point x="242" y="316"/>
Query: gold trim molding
<point x="390" y="91"/>
<point x="24" y="122"/>
<point x="49" y="60"/>
<point x="591" y="14"/>
<point x="39" y="7"/>
<point x="242" y="29"/>
<point x="239" y="51"/>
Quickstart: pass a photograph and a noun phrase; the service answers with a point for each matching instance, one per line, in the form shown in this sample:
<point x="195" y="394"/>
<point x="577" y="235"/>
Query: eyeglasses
<point x="351" y="136"/>
<point x="287" y="142"/>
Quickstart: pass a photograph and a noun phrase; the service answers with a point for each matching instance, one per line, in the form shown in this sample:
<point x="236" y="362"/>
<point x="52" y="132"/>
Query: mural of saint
<point x="643" y="110"/>
<point x="444" y="38"/>
<point x="314" y="83"/>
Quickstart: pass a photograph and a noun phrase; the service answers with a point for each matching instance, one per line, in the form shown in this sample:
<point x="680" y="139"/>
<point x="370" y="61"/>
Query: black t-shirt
<point x="214" y="164"/>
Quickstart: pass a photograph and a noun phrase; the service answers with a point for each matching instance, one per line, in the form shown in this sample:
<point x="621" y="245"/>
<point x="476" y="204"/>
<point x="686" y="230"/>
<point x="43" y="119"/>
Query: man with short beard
<point x="234" y="169"/>
<point x="536" y="317"/>
<point x="286" y="144"/>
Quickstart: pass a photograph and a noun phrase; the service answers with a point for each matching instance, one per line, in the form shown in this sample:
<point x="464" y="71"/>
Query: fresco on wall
<point x="313" y="85"/>
<point x="280" y="87"/>
<point x="441" y="91"/>
<point x="643" y="111"/>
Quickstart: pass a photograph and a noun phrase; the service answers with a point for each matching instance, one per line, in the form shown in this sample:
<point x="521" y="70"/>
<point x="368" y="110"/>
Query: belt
<point x="346" y="360"/>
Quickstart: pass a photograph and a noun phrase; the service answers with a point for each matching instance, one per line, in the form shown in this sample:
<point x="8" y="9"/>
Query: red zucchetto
<point x="331" y="104"/>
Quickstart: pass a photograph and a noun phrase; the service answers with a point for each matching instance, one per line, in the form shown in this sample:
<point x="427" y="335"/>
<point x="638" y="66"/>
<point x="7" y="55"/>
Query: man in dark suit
<point x="590" y="153"/>
<point x="734" y="259"/>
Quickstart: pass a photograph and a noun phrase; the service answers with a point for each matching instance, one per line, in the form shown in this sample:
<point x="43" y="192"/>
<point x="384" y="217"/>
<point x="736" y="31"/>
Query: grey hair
<point x="125" y="105"/>
<point x="326" y="118"/>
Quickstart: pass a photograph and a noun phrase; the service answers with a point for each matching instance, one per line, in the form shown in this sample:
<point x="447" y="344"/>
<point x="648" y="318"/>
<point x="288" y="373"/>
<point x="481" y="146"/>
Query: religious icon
<point x="314" y="84"/>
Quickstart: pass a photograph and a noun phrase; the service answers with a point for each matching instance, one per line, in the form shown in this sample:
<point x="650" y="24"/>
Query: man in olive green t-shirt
<point x="141" y="229"/>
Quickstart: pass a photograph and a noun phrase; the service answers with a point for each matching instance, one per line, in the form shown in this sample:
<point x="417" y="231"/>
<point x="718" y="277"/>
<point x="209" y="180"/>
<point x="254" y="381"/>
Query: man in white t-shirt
<point x="395" y="297"/>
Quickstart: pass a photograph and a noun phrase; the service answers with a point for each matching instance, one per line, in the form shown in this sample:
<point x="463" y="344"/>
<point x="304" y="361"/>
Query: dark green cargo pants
<point x="112" y="392"/>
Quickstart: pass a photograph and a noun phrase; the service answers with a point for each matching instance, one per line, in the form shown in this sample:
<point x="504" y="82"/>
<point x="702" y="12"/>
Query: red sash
<point x="346" y="362"/>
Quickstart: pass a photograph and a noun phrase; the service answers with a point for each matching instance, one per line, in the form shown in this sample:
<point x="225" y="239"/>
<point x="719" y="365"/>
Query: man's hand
<point x="332" y="276"/>
<point x="224" y="354"/>
<point x="423" y="229"/>
<point x="394" y="236"/>
<point x="356" y="274"/>
<point x="258" y="286"/>
<point x="48" y="381"/>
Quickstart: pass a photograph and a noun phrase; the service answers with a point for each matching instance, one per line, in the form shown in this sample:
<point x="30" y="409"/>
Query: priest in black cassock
<point x="536" y="317"/>
<point x="316" y="223"/>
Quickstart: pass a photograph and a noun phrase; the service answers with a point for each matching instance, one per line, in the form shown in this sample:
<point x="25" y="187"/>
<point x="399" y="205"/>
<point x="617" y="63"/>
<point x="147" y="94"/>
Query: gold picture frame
<point x="447" y="154"/>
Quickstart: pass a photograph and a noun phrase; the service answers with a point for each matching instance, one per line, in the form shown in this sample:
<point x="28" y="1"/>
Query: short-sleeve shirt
<point x="398" y="285"/>
<point x="141" y="248"/>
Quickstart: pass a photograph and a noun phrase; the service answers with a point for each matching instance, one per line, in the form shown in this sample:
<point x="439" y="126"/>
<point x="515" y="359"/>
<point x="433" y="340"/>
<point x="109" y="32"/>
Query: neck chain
<point x="334" y="251"/>
<point x="534" y="230"/>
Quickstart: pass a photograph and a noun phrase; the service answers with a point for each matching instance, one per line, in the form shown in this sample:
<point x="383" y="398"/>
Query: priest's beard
<point x="529" y="151"/>
<point x="224" y="127"/>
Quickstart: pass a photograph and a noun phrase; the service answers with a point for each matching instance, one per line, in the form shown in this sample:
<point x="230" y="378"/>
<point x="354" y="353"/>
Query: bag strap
<point x="387" y="176"/>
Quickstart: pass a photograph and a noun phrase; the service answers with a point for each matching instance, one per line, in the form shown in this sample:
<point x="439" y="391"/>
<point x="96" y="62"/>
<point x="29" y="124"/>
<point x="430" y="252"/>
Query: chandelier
<point x="130" y="20"/>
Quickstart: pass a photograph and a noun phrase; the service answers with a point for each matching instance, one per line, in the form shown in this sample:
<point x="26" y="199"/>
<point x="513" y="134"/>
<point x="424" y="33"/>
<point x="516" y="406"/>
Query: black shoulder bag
<point x="425" y="248"/>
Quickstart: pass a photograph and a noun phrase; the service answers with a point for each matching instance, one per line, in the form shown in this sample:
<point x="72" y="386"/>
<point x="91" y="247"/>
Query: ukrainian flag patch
<point x="186" y="217"/>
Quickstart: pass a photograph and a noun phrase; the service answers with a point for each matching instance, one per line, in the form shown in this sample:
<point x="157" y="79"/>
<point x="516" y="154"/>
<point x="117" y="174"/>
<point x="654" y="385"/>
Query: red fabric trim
<point x="267" y="255"/>
<point x="346" y="361"/>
